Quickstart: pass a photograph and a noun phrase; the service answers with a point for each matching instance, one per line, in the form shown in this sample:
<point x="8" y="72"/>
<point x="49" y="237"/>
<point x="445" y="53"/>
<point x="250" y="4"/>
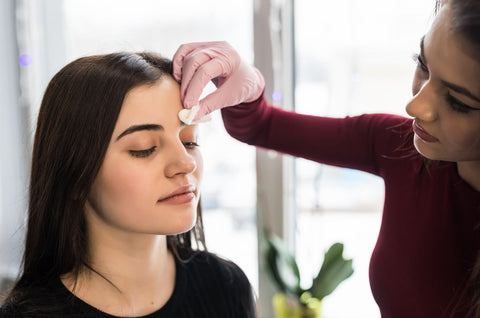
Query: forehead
<point x="156" y="103"/>
<point x="449" y="53"/>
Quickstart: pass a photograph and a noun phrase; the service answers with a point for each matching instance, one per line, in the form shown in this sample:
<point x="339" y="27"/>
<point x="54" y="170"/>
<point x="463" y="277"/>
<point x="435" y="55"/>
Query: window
<point x="351" y="57"/>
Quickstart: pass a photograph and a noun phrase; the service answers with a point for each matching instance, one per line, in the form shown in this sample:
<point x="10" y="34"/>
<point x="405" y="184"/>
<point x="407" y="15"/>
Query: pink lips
<point x="422" y="133"/>
<point x="182" y="195"/>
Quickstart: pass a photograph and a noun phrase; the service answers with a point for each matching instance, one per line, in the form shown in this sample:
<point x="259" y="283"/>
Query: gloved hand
<point x="195" y="64"/>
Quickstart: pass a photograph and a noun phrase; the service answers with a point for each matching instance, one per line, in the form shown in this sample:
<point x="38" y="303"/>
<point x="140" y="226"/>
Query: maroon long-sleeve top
<point x="430" y="232"/>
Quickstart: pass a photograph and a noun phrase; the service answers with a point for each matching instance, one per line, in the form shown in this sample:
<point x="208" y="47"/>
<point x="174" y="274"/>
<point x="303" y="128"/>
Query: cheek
<point x="464" y="137"/>
<point x="471" y="144"/>
<point x="122" y="184"/>
<point x="199" y="160"/>
<point x="119" y="187"/>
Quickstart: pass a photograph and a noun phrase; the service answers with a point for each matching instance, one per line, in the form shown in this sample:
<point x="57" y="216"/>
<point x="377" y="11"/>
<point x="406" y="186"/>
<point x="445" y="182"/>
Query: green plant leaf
<point x="335" y="269"/>
<point x="281" y="266"/>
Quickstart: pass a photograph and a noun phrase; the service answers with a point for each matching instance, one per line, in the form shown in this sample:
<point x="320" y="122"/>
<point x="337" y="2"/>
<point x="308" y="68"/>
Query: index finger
<point x="182" y="51"/>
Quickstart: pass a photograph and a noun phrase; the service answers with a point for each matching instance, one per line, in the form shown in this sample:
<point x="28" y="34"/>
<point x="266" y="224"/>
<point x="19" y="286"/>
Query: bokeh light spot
<point x="277" y="96"/>
<point x="25" y="59"/>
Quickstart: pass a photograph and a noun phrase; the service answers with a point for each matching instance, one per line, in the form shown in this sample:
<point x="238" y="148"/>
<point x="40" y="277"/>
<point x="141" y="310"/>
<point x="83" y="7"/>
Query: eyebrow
<point x="136" y="128"/>
<point x="460" y="90"/>
<point x="454" y="87"/>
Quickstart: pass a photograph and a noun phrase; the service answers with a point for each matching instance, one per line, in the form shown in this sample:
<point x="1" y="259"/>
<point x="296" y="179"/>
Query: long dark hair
<point x="466" y="22"/>
<point x="75" y="123"/>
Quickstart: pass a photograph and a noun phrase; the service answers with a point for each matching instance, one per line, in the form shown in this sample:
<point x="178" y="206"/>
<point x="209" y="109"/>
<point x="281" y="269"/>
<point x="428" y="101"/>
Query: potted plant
<point x="292" y="300"/>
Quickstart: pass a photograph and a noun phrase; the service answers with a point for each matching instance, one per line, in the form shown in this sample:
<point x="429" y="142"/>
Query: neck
<point x="132" y="261"/>
<point x="470" y="173"/>
<point x="138" y="270"/>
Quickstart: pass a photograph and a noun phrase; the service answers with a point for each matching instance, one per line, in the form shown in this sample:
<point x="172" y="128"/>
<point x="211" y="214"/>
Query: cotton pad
<point x="187" y="115"/>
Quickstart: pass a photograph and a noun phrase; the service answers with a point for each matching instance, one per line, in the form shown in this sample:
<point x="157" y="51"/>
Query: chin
<point x="434" y="156"/>
<point x="424" y="150"/>
<point x="183" y="224"/>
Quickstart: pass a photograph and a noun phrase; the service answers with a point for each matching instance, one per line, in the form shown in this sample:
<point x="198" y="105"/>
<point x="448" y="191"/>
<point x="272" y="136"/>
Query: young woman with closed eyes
<point x="114" y="220"/>
<point x="426" y="262"/>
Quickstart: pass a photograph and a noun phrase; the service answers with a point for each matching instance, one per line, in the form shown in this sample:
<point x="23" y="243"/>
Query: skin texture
<point x="127" y="225"/>
<point x="445" y="58"/>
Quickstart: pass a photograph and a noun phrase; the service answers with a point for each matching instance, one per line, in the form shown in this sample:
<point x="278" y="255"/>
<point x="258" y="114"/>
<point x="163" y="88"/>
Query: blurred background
<point x="332" y="58"/>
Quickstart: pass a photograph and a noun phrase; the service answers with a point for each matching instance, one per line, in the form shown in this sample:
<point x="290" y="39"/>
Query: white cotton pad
<point x="187" y="115"/>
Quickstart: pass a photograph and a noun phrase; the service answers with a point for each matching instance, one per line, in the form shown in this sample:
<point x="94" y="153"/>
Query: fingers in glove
<point x="186" y="49"/>
<point x="200" y="79"/>
<point x="192" y="64"/>
<point x="220" y="98"/>
<point x="182" y="51"/>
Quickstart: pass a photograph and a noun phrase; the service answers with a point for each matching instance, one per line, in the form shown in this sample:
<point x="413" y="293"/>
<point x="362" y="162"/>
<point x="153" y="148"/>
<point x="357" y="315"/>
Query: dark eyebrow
<point x="136" y="128"/>
<point x="456" y="88"/>
<point x="460" y="90"/>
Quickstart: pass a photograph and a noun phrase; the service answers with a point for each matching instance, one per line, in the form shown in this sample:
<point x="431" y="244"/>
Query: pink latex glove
<point x="195" y="64"/>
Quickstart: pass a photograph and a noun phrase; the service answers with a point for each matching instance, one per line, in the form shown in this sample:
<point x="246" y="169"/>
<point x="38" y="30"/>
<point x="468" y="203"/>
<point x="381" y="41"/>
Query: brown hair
<point x="75" y="123"/>
<point x="466" y="22"/>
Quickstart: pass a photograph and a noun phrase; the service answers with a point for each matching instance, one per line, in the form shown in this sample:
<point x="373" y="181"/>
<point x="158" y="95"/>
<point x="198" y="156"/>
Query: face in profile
<point x="446" y="89"/>
<point x="149" y="180"/>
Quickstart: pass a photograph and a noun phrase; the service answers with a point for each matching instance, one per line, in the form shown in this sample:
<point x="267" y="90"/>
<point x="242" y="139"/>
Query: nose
<point x="180" y="162"/>
<point x="422" y="104"/>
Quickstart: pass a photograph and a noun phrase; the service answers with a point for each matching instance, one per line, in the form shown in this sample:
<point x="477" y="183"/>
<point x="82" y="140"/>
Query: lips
<point x="181" y="195"/>
<point x="422" y="133"/>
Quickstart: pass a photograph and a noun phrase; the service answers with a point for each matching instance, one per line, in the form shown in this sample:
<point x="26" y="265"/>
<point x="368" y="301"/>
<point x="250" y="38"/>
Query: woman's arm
<point x="359" y="142"/>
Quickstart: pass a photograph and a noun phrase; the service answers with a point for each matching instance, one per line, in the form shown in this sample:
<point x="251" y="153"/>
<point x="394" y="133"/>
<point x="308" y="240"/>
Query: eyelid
<point x="191" y="144"/>
<point x="142" y="153"/>
<point x="418" y="59"/>
<point x="460" y="103"/>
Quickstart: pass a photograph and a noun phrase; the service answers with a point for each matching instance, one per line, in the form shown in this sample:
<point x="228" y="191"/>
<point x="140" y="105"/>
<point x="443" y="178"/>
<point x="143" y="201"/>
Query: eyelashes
<point x="191" y="145"/>
<point x="420" y="63"/>
<point x="457" y="105"/>
<point x="144" y="153"/>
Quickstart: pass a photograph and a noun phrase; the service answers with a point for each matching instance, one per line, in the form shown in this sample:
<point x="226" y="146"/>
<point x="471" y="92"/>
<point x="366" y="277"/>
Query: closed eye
<point x="191" y="144"/>
<point x="142" y="153"/>
<point x="458" y="106"/>
<point x="420" y="63"/>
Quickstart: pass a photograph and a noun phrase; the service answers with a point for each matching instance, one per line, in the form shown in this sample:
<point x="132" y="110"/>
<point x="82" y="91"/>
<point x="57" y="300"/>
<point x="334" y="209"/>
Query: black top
<point x="205" y="286"/>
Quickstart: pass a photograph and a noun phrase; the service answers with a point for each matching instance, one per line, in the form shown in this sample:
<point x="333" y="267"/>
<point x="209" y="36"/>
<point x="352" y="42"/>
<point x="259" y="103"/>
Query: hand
<point x="195" y="64"/>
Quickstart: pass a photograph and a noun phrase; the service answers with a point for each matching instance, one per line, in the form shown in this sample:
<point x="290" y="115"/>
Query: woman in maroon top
<point x="426" y="261"/>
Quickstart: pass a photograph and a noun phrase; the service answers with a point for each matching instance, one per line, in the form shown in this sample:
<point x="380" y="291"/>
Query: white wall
<point x="13" y="145"/>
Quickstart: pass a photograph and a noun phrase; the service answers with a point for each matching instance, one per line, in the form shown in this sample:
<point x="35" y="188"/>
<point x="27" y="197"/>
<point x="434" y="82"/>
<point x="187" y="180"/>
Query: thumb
<point x="220" y="98"/>
<point x="206" y="106"/>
